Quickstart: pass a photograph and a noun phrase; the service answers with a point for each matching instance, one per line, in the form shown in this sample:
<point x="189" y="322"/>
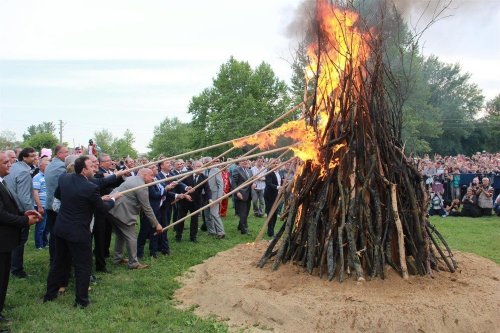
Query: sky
<point x="129" y="64"/>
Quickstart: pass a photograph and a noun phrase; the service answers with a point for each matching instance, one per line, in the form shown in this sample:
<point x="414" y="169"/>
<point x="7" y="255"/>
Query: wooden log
<point x="399" y="228"/>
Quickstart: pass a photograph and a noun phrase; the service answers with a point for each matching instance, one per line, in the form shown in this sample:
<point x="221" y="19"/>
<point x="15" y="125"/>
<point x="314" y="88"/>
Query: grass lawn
<point x="477" y="235"/>
<point x="141" y="301"/>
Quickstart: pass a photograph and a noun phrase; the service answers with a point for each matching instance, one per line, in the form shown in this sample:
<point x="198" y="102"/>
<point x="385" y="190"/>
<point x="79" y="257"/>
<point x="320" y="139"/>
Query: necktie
<point x="195" y="179"/>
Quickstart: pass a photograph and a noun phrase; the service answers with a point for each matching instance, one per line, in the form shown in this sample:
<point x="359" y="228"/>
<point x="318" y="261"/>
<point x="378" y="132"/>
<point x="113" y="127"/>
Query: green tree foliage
<point x="123" y="146"/>
<point x="457" y="101"/>
<point x="45" y="127"/>
<point x="171" y="137"/>
<point x="41" y="140"/>
<point x="487" y="129"/>
<point x="241" y="101"/>
<point x="104" y="139"/>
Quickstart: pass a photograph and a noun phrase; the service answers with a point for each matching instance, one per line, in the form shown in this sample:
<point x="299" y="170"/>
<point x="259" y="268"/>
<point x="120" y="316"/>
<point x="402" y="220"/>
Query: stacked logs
<point x="363" y="206"/>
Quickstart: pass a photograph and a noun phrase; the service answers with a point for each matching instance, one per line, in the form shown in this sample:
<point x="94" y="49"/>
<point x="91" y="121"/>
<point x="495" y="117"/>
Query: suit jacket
<point x="271" y="190"/>
<point x="79" y="200"/>
<point x="128" y="206"/>
<point x="197" y="194"/>
<point x="11" y="221"/>
<point x="20" y="185"/>
<point x="216" y="183"/>
<point x="238" y="177"/>
<point x="108" y="183"/>
<point x="52" y="173"/>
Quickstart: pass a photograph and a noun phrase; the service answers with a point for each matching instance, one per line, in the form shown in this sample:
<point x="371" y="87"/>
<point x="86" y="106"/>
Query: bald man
<point x="125" y="213"/>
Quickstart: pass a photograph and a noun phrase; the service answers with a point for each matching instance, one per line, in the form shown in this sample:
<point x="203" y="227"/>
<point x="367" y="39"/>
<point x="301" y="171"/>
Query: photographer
<point x="484" y="195"/>
<point x="469" y="202"/>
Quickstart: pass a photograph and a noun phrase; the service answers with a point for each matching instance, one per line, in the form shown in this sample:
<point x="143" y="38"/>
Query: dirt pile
<point x="289" y="300"/>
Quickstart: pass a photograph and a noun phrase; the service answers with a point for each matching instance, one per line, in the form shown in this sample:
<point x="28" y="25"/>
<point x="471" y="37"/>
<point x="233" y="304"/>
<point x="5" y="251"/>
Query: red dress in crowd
<point x="227" y="189"/>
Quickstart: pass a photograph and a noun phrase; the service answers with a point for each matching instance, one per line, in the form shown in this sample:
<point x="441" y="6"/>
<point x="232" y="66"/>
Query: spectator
<point x="437" y="205"/>
<point x="485" y="197"/>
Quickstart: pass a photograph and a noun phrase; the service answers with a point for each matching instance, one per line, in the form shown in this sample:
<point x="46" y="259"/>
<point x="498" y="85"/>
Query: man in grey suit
<point x="20" y="186"/>
<point x="125" y="213"/>
<point x="216" y="184"/>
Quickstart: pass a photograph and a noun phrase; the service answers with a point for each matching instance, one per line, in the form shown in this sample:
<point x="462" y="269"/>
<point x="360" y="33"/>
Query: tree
<point x="123" y="146"/>
<point x="240" y="102"/>
<point x="41" y="140"/>
<point x="171" y="137"/>
<point x="45" y="127"/>
<point x="456" y="100"/>
<point x="8" y="139"/>
<point x="104" y="139"/>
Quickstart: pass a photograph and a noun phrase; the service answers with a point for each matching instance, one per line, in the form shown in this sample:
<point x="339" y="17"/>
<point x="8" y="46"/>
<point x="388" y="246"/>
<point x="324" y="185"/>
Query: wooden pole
<point x="246" y="183"/>
<point x="399" y="228"/>
<point x="272" y="151"/>
<point x="284" y="115"/>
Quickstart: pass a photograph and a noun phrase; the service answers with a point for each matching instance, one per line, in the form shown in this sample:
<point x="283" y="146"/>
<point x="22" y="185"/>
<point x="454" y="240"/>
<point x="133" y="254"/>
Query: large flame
<point x="342" y="45"/>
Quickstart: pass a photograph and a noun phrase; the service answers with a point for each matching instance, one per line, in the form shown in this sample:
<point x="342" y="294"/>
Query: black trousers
<point x="102" y="238"/>
<point x="272" y="220"/>
<point x="80" y="254"/>
<point x="17" y="256"/>
<point x="146" y="232"/>
<point x="184" y="209"/>
<point x="242" y="209"/>
<point x="165" y="217"/>
<point x="5" y="258"/>
<point x="49" y="226"/>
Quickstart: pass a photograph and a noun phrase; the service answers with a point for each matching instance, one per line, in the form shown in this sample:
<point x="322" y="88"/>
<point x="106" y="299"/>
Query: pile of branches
<point x="364" y="206"/>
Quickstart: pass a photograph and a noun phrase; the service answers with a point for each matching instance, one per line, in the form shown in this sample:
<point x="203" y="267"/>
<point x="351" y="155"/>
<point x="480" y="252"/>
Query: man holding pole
<point x="125" y="213"/>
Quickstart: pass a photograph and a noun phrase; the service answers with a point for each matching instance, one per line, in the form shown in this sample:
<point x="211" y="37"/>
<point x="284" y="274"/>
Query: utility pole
<point x="61" y="125"/>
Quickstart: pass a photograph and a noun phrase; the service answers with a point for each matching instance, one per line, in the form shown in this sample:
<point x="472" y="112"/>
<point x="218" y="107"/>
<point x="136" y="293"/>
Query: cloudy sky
<point x="129" y="64"/>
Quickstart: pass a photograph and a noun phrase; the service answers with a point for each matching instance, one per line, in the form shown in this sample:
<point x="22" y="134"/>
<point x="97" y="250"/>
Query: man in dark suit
<point x="192" y="205"/>
<point x="79" y="199"/>
<point x="102" y="220"/>
<point x="273" y="185"/>
<point x="11" y="223"/>
<point x="167" y="208"/>
<point x="157" y="194"/>
<point x="243" y="198"/>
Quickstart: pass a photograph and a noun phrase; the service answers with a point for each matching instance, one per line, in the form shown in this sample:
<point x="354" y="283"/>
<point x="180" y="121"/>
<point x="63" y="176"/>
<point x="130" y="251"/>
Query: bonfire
<point x="357" y="202"/>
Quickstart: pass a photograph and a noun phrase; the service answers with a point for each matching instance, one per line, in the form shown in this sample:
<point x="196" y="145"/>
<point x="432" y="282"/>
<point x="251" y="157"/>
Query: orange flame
<point x="345" y="47"/>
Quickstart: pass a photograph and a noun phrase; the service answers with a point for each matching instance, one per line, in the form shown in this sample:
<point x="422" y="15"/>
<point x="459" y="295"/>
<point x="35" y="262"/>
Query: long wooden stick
<point x="246" y="183"/>
<point x="284" y="115"/>
<point x="268" y="218"/>
<point x="399" y="228"/>
<point x="268" y="152"/>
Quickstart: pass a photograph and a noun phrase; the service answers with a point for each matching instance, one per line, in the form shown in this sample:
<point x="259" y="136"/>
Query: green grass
<point x="124" y="301"/>
<point x="477" y="235"/>
<point x="142" y="301"/>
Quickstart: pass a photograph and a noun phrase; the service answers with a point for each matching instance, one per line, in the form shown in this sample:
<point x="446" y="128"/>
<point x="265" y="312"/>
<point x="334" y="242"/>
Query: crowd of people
<point x="461" y="185"/>
<point x="78" y="199"/>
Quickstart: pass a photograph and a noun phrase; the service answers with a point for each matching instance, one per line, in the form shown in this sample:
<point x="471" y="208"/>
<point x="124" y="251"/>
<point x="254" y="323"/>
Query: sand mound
<point x="229" y="286"/>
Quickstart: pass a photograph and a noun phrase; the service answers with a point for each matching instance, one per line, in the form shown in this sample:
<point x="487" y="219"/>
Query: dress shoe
<point x="20" y="275"/>
<point x="244" y="232"/>
<point x="220" y="236"/>
<point x="139" y="266"/>
<point x="122" y="262"/>
<point x="194" y="240"/>
<point x="166" y="253"/>
<point x="80" y="305"/>
<point x="203" y="227"/>
<point x="154" y="256"/>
